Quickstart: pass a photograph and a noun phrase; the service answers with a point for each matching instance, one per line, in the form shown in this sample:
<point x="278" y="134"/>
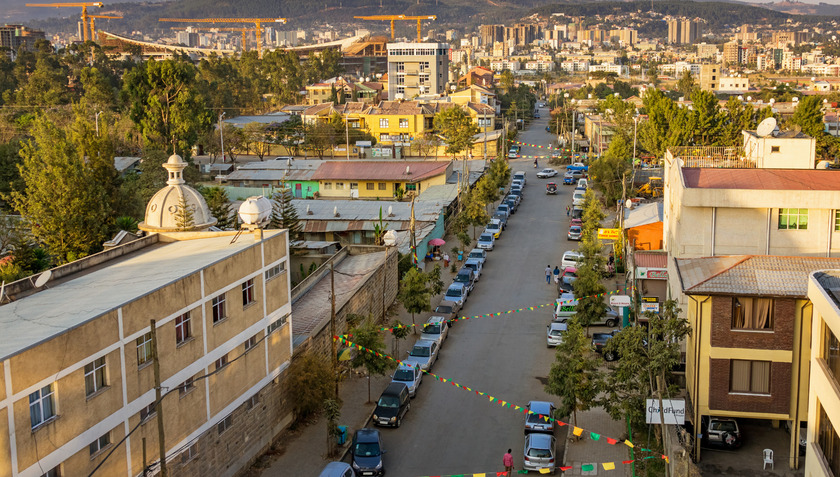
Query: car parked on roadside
<point x="578" y="197"/>
<point x="466" y="277"/>
<point x="486" y="241"/>
<point x="513" y="153"/>
<point x="501" y="217"/>
<point x="535" y="417"/>
<point x="568" y="178"/>
<point x="411" y="376"/>
<point x="546" y="173"/>
<point x="722" y="432"/>
<point x="567" y="279"/>
<point x="599" y="344"/>
<point x="423" y="354"/>
<point x="571" y="258"/>
<point x="519" y="176"/>
<point x="504" y="208"/>
<point x="449" y="310"/>
<point x="575" y="232"/>
<point x="435" y="329"/>
<point x="494" y="227"/>
<point x="366" y="453"/>
<point x="539" y="452"/>
<point x="476" y="265"/>
<point x="337" y="469"/>
<point x="478" y="253"/>
<point x="555" y="334"/>
<point x="457" y="293"/>
<point x="392" y="405"/>
<point x="517" y="193"/>
<point x="515" y="198"/>
<point x="583" y="183"/>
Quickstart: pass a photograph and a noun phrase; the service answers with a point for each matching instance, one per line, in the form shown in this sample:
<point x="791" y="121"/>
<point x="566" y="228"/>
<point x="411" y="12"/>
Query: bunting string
<point x="577" y="431"/>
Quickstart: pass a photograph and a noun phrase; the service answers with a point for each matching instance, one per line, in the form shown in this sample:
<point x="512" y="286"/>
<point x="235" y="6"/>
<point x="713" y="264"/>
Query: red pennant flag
<point x="566" y="468"/>
<point x="627" y="462"/>
<point x="611" y="441"/>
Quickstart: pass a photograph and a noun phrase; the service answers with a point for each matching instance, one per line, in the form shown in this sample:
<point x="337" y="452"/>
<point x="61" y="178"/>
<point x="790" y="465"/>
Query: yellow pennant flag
<point x="609" y="465"/>
<point x="577" y="431"/>
<point x="545" y="471"/>
<point x="479" y="475"/>
<point x="629" y="444"/>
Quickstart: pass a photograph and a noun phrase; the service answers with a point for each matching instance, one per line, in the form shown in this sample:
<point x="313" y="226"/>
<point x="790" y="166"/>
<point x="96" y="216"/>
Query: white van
<point x="565" y="308"/>
<point x="571" y="258"/>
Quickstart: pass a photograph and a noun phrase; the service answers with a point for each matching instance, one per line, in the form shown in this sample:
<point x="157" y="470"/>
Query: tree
<point x="499" y="173"/>
<point x="414" y="293"/>
<point x="686" y="85"/>
<point x="486" y="191"/>
<point x="332" y="411"/>
<point x="234" y="139"/>
<point x="184" y="216"/>
<point x="219" y="205"/>
<point x="368" y="336"/>
<point x="809" y="116"/>
<point x="647" y="353"/>
<point x="608" y="171"/>
<point x="506" y="81"/>
<point x="284" y="215"/>
<point x="588" y="287"/>
<point x="256" y="139"/>
<point x="290" y="134"/>
<point x="320" y="137"/>
<point x="426" y="144"/>
<point x="706" y="119"/>
<point x="65" y="203"/>
<point x="400" y="332"/>
<point x="311" y="381"/>
<point x="475" y="211"/>
<point x="379" y="229"/>
<point x="574" y="376"/>
<point x="457" y="127"/>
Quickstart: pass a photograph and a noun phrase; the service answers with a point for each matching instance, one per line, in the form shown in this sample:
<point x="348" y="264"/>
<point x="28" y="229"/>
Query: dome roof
<point x="162" y="209"/>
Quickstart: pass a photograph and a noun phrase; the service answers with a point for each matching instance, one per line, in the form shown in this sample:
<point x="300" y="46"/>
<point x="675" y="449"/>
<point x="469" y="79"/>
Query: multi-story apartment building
<point x="15" y="36"/>
<point x="733" y="53"/>
<point x="705" y="50"/>
<point x="734" y="84"/>
<point x="742" y="228"/>
<point x="417" y="68"/>
<point x="575" y="65"/>
<point x="624" y="36"/>
<point x="683" y="32"/>
<point x="504" y="64"/>
<point x="490" y="34"/>
<point x="77" y="387"/>
<point x="709" y="77"/>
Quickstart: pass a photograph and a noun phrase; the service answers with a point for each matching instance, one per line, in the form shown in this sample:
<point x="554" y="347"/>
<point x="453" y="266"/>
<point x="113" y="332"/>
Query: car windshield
<point x="462" y="278"/>
<point x="554" y="332"/>
<point x="485" y="238"/>
<point x="476" y="255"/>
<point x="443" y="309"/>
<point x="367" y="449"/>
<point x="454" y="292"/>
<point x="492" y="226"/>
<point x="536" y="419"/>
<point x="472" y="266"/>
<point x="726" y="426"/>
<point x="420" y="351"/>
<point x="575" y="229"/>
<point x="388" y="401"/>
<point x="432" y="329"/>
<point x="539" y="453"/>
<point x="403" y="375"/>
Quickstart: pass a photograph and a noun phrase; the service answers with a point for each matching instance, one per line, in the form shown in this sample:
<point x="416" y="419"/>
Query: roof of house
<point x="401" y="107"/>
<point x="643" y="214"/>
<point x="266" y="119"/>
<point x="762" y="179"/>
<point x="787" y="134"/>
<point x="750" y="275"/>
<point x="651" y="259"/>
<point x="381" y="170"/>
<point x="123" y="163"/>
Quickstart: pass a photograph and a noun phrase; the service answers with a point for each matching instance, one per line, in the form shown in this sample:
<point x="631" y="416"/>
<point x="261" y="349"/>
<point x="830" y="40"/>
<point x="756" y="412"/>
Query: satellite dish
<point x="390" y="211"/>
<point x="335" y="211"/>
<point x="766" y="127"/>
<point x="42" y="279"/>
<point x="628" y="204"/>
<point x="407" y="170"/>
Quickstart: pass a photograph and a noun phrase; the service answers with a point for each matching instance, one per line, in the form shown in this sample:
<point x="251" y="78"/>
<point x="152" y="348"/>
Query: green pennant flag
<point x="594" y="436"/>
<point x="587" y="467"/>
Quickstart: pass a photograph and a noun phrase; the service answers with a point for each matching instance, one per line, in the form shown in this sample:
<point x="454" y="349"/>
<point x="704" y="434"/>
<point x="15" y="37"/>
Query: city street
<point x="452" y="431"/>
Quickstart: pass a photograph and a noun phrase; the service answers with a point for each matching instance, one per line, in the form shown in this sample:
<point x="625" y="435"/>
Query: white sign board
<point x="674" y="411"/>
<point x="620" y="300"/>
<point x="647" y="306"/>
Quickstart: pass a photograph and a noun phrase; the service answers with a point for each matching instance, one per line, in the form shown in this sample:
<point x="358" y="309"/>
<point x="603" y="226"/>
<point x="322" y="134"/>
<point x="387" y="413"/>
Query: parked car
<point x="494" y="227"/>
<point x="337" y="469"/>
<point x="546" y="173"/>
<point x="435" y="329"/>
<point x="568" y="178"/>
<point x="567" y="279"/>
<point x="366" y="452"/>
<point x="486" y="241"/>
<point x="536" y="115"/>
<point x="577" y="212"/>
<point x="501" y="217"/>
<point x="571" y="258"/>
<point x="520" y="176"/>
<point x="392" y="405"/>
<point x="566" y="307"/>
<point x="517" y="184"/>
<point x="449" y="310"/>
<point x="555" y="334"/>
<point x="411" y="376"/>
<point x="578" y="197"/>
<point x="512" y="202"/>
<point x="457" y="293"/>
<point x="513" y="153"/>
<point x="476" y="266"/>
<point x="575" y="231"/>
<point x="723" y="432"/>
<point x="583" y="183"/>
<point x="516" y="198"/>
<point x="534" y="421"/>
<point x="517" y="193"/>
<point x="539" y="452"/>
<point x="423" y="354"/>
<point x="465" y="277"/>
<point x="504" y="208"/>
<point x="599" y="343"/>
<point x="576" y="222"/>
<point x="478" y="253"/>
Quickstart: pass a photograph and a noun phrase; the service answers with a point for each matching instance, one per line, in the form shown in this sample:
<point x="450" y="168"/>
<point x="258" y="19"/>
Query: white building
<point x="417" y="68"/>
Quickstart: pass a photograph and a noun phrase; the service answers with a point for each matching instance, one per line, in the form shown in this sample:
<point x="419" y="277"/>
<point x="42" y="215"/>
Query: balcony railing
<point x="721" y="157"/>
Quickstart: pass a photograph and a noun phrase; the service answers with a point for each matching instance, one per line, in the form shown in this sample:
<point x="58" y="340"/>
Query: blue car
<point x="568" y="179"/>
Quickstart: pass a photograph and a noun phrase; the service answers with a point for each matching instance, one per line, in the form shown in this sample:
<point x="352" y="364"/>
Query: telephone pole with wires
<point x="159" y="402"/>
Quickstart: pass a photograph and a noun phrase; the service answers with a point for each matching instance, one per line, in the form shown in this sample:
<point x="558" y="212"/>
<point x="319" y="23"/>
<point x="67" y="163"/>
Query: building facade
<point x="417" y="68"/>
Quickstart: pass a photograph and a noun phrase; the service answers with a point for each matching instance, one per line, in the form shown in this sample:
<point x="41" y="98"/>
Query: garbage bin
<point x="341" y="438"/>
<point x="460" y="255"/>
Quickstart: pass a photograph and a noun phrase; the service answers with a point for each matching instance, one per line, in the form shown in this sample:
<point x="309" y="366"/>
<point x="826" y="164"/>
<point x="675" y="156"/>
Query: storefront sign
<point x="619" y="300"/>
<point x="609" y="234"/>
<point x="674" y="411"/>
<point x="652" y="273"/>
<point x="650" y="303"/>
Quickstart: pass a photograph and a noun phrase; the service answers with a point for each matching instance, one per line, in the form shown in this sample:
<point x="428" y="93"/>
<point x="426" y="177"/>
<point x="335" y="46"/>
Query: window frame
<point x="403" y="123"/>
<point x="837" y="220"/>
<point x="383" y="122"/>
<point x="752" y="370"/>
<point x="224" y="424"/>
<point x="39" y="402"/>
<point x="183" y="327"/>
<point x="771" y="321"/>
<point x="190" y="453"/>
<point x="218" y="308"/>
<point x="787" y="213"/>
<point x="327" y="185"/>
<point x="248" y="293"/>
<point x="147" y="412"/>
<point x="828" y="440"/>
<point x="382" y="186"/>
<point x="222" y="362"/>
<point x="100" y="446"/>
<point x="144" y="346"/>
<point x="186" y="387"/>
<point x="370" y="186"/>
<point x="274" y="271"/>
<point x="277" y="324"/>
<point x="97" y="371"/>
<point x="251" y="342"/>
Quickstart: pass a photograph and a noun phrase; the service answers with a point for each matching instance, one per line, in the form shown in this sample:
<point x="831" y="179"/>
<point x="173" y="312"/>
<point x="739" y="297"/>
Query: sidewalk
<point x="588" y="451"/>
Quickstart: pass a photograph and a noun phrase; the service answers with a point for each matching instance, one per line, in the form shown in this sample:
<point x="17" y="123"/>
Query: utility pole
<point x="332" y="329"/>
<point x="158" y="401"/>
<point x="222" y="135"/>
<point x="346" y="132"/>
<point x="144" y="457"/>
<point x="485" y="136"/>
<point x="411" y="230"/>
<point x="574" y="116"/>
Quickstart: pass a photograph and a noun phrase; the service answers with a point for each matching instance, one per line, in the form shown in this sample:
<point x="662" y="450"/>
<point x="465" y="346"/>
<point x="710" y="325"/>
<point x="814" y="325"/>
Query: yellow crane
<point x="256" y="21"/>
<point x="93" y="23"/>
<point x="83" y="6"/>
<point x="393" y="18"/>
<point x="216" y="29"/>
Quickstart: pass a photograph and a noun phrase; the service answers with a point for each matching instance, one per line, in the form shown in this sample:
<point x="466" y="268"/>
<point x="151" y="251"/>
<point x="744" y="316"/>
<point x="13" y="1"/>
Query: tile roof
<point x="400" y="107"/>
<point x="750" y="275"/>
<point x="761" y="179"/>
<point x="381" y="170"/>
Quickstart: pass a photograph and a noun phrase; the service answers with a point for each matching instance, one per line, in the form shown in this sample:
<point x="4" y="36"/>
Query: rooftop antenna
<point x="766" y="127"/>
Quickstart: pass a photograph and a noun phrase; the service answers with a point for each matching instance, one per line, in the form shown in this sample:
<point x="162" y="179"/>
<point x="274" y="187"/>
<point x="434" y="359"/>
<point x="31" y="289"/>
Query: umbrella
<point x="436" y="242"/>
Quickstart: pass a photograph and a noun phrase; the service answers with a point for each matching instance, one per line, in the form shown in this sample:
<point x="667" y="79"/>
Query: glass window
<point x="100" y="444"/>
<point x="749" y="376"/>
<point x="383" y="122"/>
<point x="384" y="137"/>
<point x="248" y="292"/>
<point x="183" y="331"/>
<point x="752" y="313"/>
<point x="186" y="387"/>
<point x="189" y="454"/>
<point x="219" y="308"/>
<point x="277" y="324"/>
<point x="275" y="270"/>
<point x="251" y="342"/>
<point x="829" y="442"/>
<point x="411" y="187"/>
<point x="831" y="352"/>
<point x="370" y="186"/>
<point x="148" y="412"/>
<point x="404" y="123"/>
<point x="144" y="349"/>
<point x="793" y="219"/>
<point x="327" y="185"/>
<point x="222" y="362"/>
<point x="41" y="406"/>
<point x="354" y="185"/>
<point x="382" y="186"/>
<point x="837" y="220"/>
<point x="339" y="185"/>
<point x="94" y="376"/>
<point x="225" y="424"/>
<point x="774" y="148"/>
<point x="54" y="472"/>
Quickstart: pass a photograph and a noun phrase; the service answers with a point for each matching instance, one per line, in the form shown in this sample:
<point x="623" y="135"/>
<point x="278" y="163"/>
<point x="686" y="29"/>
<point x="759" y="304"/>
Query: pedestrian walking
<point x="548" y="274"/>
<point x="446" y="260"/>
<point x="556" y="274"/>
<point x="568" y="210"/>
<point x="507" y="460"/>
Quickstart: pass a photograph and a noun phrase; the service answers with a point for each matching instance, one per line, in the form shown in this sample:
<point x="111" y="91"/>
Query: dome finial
<point x="175" y="165"/>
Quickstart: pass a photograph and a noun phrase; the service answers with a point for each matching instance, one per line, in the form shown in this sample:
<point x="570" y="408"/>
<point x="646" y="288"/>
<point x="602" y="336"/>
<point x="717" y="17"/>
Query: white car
<point x="486" y="241"/>
<point x="410" y="376"/>
<point x="555" y="334"/>
<point x="579" y="197"/>
<point x="546" y="173"/>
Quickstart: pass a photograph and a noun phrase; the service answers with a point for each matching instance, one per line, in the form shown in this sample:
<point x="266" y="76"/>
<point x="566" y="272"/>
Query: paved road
<point x="452" y="431"/>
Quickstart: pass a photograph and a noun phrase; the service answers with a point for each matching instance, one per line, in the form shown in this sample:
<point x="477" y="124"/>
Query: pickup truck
<point x="599" y="343"/>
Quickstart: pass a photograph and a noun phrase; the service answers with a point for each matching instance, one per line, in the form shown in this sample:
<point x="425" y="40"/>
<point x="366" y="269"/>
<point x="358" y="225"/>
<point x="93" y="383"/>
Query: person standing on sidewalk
<point x="568" y="210"/>
<point x="548" y="274"/>
<point x="507" y="460"/>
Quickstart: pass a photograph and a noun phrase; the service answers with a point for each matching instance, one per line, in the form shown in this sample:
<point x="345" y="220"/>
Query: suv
<point x="476" y="265"/>
<point x="456" y="293"/>
<point x="392" y="405"/>
<point x="466" y="277"/>
<point x="723" y="431"/>
<point x="366" y="452"/>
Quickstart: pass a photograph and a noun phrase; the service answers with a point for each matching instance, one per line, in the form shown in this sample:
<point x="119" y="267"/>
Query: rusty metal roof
<point x="651" y="259"/>
<point x="761" y="179"/>
<point x="380" y="170"/>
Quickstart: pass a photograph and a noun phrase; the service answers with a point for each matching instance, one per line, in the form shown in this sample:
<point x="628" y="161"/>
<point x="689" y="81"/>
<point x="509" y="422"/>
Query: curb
<point x="364" y="424"/>
<point x="566" y="447"/>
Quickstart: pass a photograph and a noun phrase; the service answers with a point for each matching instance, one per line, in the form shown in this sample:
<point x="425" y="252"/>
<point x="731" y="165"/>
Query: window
<point x="185" y="387"/>
<point x="252" y="401"/>
<point x="189" y="454"/>
<point x="339" y="185"/>
<point x="219" y="308"/>
<point x="147" y="412"/>
<point x="383" y="122"/>
<point x="182" y="328"/>
<point x="384" y="137"/>
<point x="250" y="343"/>
<point x="248" y="292"/>
<point x="41" y="406"/>
<point x="411" y="187"/>
<point x="354" y="185"/>
<point x="54" y="472"/>
<point x="400" y="89"/>
<point x="276" y="324"/>
<point x="94" y="376"/>
<point x="774" y="148"/>
<point x="275" y="270"/>
<point x="327" y="185"/>
<point x="749" y="377"/>
<point x="221" y="362"/>
<point x="829" y="442"/>
<point x="837" y="220"/>
<point x="400" y="67"/>
<point x="752" y="313"/>
<point x="831" y="352"/>
<point x="144" y="349"/>
<point x="370" y="186"/>
<point x="225" y="424"/>
<point x="382" y="186"/>
<point x="793" y="219"/>
<point x="99" y="444"/>
<point x="403" y="123"/>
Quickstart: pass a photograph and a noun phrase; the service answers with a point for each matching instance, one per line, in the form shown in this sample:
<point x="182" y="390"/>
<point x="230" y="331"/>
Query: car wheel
<point x="610" y="356"/>
<point x="611" y="322"/>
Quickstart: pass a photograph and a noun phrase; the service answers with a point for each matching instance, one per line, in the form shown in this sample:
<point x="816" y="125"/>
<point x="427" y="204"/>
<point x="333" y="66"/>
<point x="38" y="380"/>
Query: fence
<point x="722" y="157"/>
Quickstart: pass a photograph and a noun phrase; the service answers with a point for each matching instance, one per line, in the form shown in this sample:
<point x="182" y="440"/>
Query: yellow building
<point x="77" y="381"/>
<point x="393" y="122"/>
<point x="378" y="179"/>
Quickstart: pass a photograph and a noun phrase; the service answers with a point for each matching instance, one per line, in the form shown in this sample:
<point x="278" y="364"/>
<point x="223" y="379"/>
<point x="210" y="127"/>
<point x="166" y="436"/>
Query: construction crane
<point x="93" y="23"/>
<point x="217" y="29"/>
<point x="256" y="21"/>
<point x="393" y="18"/>
<point x="83" y="5"/>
